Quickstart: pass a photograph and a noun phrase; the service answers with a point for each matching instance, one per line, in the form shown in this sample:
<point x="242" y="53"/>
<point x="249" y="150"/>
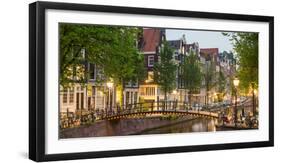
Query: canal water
<point x="141" y="127"/>
<point x="193" y="125"/>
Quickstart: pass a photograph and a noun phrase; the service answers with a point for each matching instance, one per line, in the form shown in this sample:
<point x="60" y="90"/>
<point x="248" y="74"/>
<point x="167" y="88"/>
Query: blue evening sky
<point x="206" y="39"/>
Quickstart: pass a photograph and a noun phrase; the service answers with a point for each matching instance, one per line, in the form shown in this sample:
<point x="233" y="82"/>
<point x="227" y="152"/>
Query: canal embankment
<point x="123" y="127"/>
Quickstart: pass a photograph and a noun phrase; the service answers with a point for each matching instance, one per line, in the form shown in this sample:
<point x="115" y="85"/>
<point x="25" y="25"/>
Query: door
<point x="77" y="101"/>
<point x="82" y="100"/>
<point x="89" y="103"/>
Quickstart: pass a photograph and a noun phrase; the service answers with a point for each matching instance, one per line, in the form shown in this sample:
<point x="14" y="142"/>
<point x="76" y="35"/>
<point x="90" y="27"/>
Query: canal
<point x="191" y="125"/>
<point x="143" y="126"/>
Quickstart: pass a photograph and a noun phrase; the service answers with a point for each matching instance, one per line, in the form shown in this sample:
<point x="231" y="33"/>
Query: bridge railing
<point x="145" y="107"/>
<point x="148" y="106"/>
<point x="151" y="107"/>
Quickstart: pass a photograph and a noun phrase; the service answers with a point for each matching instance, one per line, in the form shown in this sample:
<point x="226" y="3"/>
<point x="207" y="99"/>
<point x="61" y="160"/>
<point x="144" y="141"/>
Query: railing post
<point x="170" y="105"/>
<point x="127" y="110"/>
<point x="176" y="104"/>
<point x="157" y="103"/>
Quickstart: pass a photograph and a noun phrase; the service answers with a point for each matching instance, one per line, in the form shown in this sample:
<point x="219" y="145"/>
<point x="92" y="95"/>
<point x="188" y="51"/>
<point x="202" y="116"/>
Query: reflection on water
<point x="140" y="127"/>
<point x="195" y="125"/>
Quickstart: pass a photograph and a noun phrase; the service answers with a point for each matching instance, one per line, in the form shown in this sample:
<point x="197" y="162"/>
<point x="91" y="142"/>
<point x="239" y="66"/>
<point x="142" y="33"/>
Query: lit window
<point x="142" y="91"/>
<point x="150" y="76"/>
<point x="64" y="96"/>
<point x="149" y="91"/>
<point x="71" y="95"/>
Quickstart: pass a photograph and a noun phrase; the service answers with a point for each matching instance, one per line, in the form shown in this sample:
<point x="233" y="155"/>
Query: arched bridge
<point x="141" y="110"/>
<point x="167" y="112"/>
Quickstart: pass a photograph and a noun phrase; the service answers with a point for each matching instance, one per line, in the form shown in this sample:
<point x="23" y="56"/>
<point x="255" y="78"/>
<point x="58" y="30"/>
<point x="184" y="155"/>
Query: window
<point x="93" y="91"/>
<point x="131" y="84"/>
<point x="99" y="73"/>
<point x="153" y="91"/>
<point x="92" y="71"/>
<point x="64" y="96"/>
<point x="135" y="84"/>
<point x="127" y="98"/>
<point x="71" y="95"/>
<point x="150" y="76"/>
<point x="181" y="82"/>
<point x="89" y="102"/>
<point x="142" y="91"/>
<point x="132" y="98"/>
<point x="150" y="61"/>
<point x="146" y="91"/>
<point x="83" y="52"/>
<point x="149" y="91"/>
<point x="136" y="97"/>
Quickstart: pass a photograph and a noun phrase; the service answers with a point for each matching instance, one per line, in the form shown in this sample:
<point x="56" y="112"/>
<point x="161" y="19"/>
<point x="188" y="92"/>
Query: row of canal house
<point x="98" y="95"/>
<point x="152" y="41"/>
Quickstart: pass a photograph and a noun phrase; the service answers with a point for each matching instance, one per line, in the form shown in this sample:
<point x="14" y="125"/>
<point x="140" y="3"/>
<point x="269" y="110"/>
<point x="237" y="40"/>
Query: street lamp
<point x="235" y="83"/>
<point x="255" y="91"/>
<point x="109" y="85"/>
<point x="215" y="96"/>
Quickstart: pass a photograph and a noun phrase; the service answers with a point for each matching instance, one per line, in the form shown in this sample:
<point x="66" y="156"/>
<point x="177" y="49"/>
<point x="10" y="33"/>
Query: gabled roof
<point x="151" y="39"/>
<point x="210" y="51"/>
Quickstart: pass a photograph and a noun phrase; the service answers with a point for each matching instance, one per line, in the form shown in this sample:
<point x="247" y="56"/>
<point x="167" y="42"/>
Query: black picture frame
<point x="37" y="80"/>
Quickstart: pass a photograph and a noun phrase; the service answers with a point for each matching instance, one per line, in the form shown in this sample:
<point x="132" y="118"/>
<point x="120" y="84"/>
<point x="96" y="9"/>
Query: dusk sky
<point x="206" y="39"/>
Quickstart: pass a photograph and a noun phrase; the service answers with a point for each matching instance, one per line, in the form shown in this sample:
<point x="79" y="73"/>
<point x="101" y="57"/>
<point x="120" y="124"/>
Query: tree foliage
<point x="192" y="74"/>
<point x="246" y="48"/>
<point x="111" y="48"/>
<point x="210" y="77"/>
<point x="165" y="70"/>
<point x="221" y="85"/>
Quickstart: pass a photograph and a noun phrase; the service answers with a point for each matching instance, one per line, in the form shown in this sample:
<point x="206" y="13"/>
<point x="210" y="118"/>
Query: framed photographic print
<point x="108" y="81"/>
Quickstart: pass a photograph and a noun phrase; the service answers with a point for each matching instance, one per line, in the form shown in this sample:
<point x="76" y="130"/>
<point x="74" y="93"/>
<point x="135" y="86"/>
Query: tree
<point x="209" y="78"/>
<point x="112" y="48"/>
<point x="165" y="70"/>
<point x="192" y="74"/>
<point x="221" y="81"/>
<point x="246" y="48"/>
